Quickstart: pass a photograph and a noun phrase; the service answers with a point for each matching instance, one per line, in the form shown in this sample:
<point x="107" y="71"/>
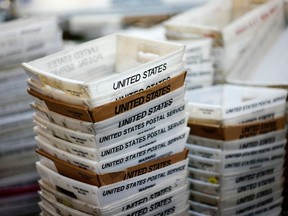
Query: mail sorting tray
<point x="222" y="103"/>
<point x="105" y="65"/>
<point x="107" y="97"/>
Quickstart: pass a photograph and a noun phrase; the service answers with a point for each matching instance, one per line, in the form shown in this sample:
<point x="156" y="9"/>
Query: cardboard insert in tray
<point x="234" y="132"/>
<point x="109" y="125"/>
<point x="245" y="143"/>
<point x="133" y="116"/>
<point x="109" y="110"/>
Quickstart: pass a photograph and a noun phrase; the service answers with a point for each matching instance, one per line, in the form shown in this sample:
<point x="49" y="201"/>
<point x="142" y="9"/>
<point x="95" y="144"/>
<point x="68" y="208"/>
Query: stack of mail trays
<point x="111" y="127"/>
<point x="236" y="150"/>
<point x="235" y="26"/>
<point x="20" y="40"/>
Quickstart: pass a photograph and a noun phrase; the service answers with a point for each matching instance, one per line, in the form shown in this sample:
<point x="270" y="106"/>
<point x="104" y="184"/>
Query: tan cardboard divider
<point x="89" y="177"/>
<point x="69" y="170"/>
<point x="233" y="132"/>
<point x="144" y="168"/>
<point x="109" y="110"/>
<point x="70" y="110"/>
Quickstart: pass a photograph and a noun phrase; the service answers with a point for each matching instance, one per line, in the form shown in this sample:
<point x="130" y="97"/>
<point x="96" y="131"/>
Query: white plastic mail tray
<point x="224" y="102"/>
<point x="105" y="65"/>
<point x="232" y="24"/>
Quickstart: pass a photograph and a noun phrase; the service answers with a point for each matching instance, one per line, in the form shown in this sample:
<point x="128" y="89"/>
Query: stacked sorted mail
<point x="20" y="40"/>
<point x="269" y="57"/>
<point x="236" y="27"/>
<point x="111" y="124"/>
<point x="236" y="150"/>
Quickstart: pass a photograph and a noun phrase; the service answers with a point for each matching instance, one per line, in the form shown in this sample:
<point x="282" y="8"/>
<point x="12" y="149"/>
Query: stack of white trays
<point x="236" y="27"/>
<point x="20" y="40"/>
<point x="237" y="150"/>
<point x="111" y="124"/>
